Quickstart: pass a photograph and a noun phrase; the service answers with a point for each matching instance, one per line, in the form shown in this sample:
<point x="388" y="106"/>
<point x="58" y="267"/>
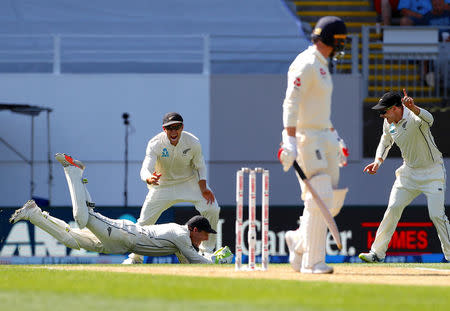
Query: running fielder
<point x="175" y="171"/>
<point x="100" y="234"/>
<point x="422" y="171"/>
<point x="309" y="138"/>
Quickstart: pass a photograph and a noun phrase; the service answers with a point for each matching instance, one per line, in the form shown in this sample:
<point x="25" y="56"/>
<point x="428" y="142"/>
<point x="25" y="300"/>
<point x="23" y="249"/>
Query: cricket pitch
<point x="348" y="273"/>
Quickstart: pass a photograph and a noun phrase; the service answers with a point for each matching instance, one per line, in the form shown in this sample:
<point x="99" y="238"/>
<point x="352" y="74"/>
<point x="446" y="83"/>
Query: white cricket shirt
<point x="413" y="136"/>
<point x="176" y="164"/>
<point x="167" y="239"/>
<point x="307" y="104"/>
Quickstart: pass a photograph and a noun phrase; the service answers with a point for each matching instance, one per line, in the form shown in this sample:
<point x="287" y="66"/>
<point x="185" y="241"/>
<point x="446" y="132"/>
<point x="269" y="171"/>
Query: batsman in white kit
<point x="175" y="171"/>
<point x="310" y="138"/>
<point x="98" y="233"/>
<point x="422" y="171"/>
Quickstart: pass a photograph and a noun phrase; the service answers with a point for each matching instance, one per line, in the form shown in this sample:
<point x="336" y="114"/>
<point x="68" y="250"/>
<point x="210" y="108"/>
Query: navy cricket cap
<point x="389" y="99"/>
<point x="201" y="223"/>
<point x="172" y="118"/>
<point x="327" y="28"/>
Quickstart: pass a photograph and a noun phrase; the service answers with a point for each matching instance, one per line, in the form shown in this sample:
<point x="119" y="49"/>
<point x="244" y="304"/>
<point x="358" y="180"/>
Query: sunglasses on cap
<point x="174" y="127"/>
<point x="383" y="112"/>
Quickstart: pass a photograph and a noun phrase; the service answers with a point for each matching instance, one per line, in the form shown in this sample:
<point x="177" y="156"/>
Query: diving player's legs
<point x="116" y="236"/>
<point x="73" y="169"/>
<point x="71" y="237"/>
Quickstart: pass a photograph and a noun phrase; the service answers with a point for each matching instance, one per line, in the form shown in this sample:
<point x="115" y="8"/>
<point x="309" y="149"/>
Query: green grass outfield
<point x="40" y="288"/>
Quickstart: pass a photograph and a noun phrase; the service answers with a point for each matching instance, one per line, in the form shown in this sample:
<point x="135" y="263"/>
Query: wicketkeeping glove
<point x="288" y="151"/>
<point x="222" y="256"/>
<point x="343" y="150"/>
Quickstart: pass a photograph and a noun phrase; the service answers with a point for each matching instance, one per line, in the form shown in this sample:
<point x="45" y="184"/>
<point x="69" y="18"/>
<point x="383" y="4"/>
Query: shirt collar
<point x="319" y="55"/>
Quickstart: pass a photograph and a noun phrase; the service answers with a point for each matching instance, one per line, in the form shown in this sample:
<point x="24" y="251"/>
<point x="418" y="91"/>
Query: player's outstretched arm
<point x="409" y="103"/>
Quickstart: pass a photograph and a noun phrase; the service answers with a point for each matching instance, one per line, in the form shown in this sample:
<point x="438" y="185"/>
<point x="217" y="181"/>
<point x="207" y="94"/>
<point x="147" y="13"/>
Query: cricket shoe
<point x="24" y="212"/>
<point x="295" y="259"/>
<point x="67" y="160"/>
<point x="319" y="268"/>
<point x="370" y="257"/>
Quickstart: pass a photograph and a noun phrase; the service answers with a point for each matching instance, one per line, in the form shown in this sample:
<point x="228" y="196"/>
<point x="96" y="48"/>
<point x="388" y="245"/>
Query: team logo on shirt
<point x="297" y="82"/>
<point x="165" y="153"/>
<point x="322" y="71"/>
<point x="404" y="125"/>
<point x="185" y="151"/>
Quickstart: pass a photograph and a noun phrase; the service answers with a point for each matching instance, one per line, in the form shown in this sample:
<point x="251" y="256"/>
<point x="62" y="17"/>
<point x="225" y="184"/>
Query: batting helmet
<point x="332" y="31"/>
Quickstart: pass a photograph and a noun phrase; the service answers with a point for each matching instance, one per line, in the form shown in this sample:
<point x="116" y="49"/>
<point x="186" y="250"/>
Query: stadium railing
<point x="55" y="53"/>
<point x="410" y="57"/>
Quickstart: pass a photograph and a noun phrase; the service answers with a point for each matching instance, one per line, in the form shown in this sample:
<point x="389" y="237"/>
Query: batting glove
<point x="288" y="151"/>
<point x="222" y="256"/>
<point x="343" y="150"/>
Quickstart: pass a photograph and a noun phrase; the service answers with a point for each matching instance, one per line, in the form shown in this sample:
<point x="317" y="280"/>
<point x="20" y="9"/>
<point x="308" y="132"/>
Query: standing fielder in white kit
<point x="422" y="171"/>
<point x="309" y="138"/>
<point x="175" y="172"/>
<point x="98" y="233"/>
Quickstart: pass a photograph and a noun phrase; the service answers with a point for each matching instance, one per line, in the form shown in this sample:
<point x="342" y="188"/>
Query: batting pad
<point x="293" y="241"/>
<point x="313" y="227"/>
<point x="322" y="185"/>
<point x="78" y="195"/>
<point x="338" y="201"/>
<point x="299" y="238"/>
<point x="314" y="232"/>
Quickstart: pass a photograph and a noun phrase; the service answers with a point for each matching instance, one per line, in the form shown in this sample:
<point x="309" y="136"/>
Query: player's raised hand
<point x="409" y="103"/>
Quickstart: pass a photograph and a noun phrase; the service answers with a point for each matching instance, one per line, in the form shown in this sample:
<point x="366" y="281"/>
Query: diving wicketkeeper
<point x="119" y="236"/>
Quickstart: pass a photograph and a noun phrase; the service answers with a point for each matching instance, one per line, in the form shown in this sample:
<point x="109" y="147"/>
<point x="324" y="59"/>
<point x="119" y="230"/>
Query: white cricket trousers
<point x="409" y="183"/>
<point x="318" y="152"/>
<point x="160" y="198"/>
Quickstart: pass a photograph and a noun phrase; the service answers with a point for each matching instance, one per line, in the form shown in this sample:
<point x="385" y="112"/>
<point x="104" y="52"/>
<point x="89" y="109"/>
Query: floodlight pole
<point x="126" y="122"/>
<point x="32" y="158"/>
<point x="49" y="160"/>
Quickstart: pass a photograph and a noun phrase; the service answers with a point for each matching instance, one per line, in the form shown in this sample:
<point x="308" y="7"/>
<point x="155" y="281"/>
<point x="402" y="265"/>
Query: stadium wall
<point x="415" y="239"/>
<point x="237" y="118"/>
